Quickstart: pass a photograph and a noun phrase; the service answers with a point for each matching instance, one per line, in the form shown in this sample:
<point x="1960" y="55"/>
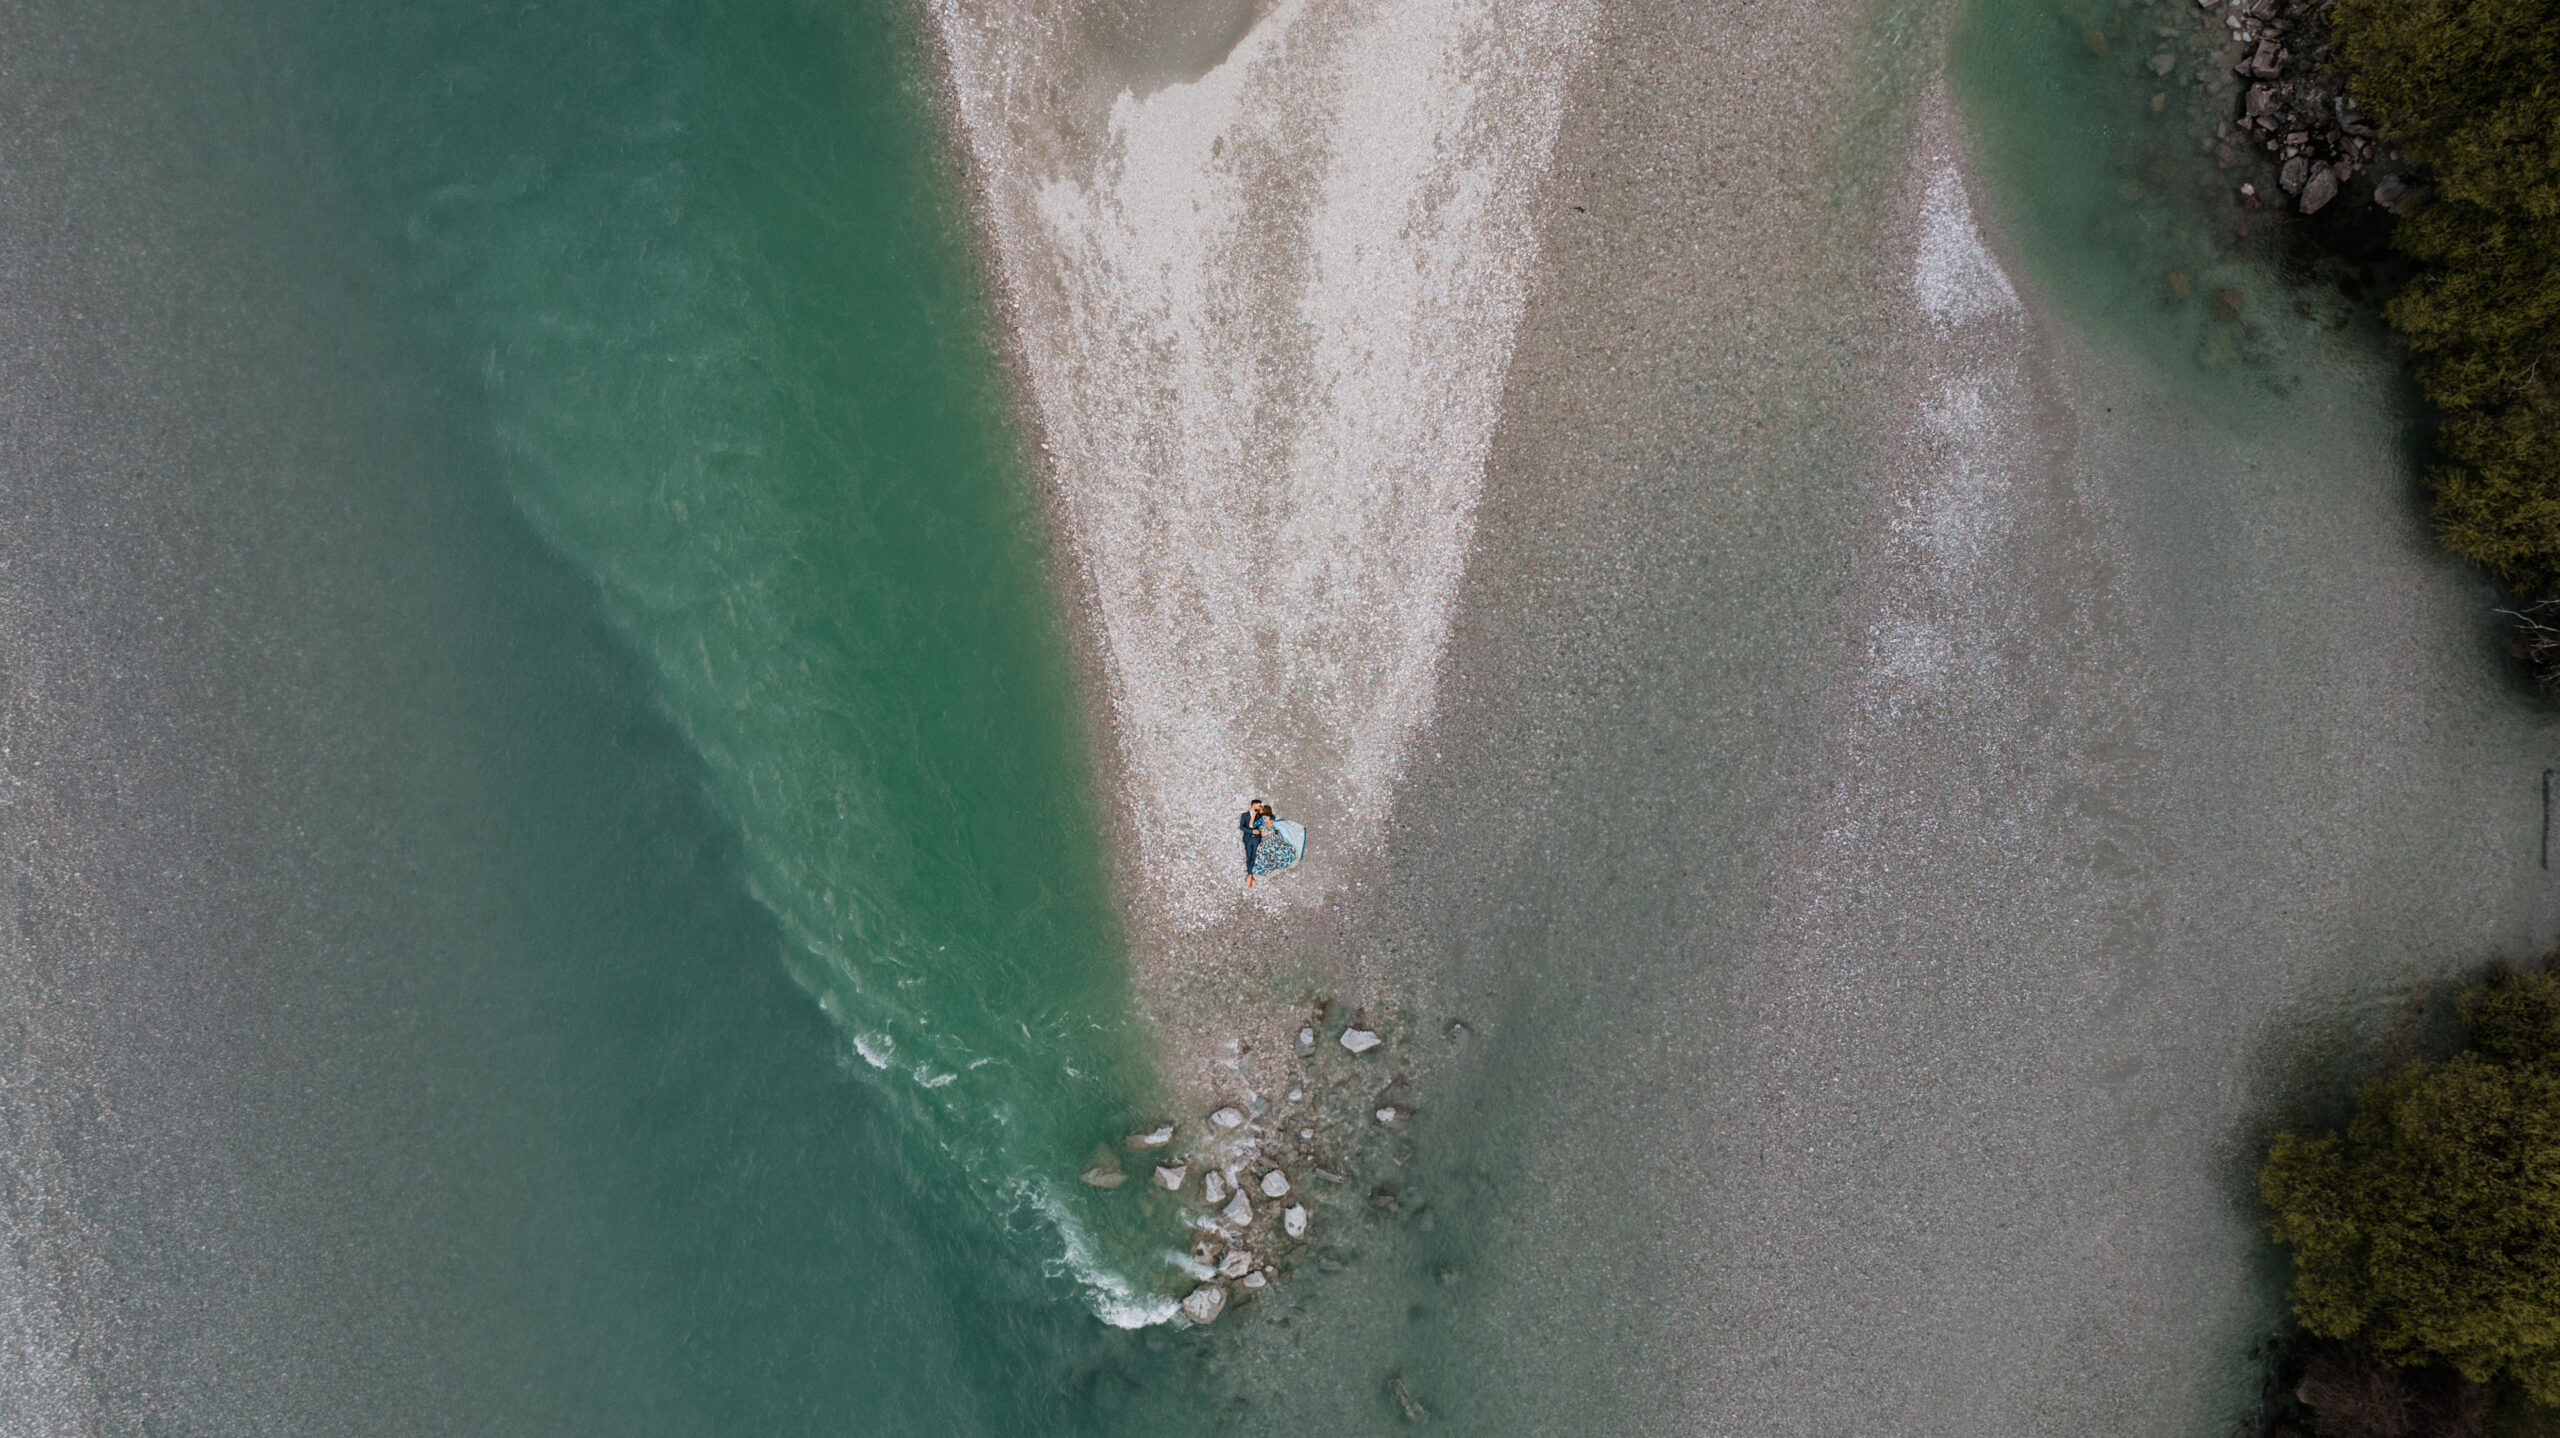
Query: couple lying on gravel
<point x="1270" y="844"/>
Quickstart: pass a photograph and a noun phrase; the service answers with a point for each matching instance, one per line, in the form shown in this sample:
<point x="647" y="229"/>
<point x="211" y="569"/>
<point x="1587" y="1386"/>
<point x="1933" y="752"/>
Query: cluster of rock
<point x="2294" y="108"/>
<point x="1241" y="1152"/>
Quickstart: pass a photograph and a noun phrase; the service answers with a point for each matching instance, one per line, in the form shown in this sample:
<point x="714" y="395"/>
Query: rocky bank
<point x="1251" y="1176"/>
<point x="2296" y="117"/>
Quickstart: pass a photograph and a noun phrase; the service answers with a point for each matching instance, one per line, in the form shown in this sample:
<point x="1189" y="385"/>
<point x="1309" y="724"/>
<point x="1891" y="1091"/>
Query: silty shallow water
<point x="1982" y="740"/>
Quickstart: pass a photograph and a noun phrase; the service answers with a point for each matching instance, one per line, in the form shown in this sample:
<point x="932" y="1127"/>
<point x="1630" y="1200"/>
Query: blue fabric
<point x="1275" y="852"/>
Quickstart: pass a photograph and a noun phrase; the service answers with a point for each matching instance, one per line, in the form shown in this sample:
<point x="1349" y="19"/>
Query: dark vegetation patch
<point x="2425" y="1239"/>
<point x="2469" y="91"/>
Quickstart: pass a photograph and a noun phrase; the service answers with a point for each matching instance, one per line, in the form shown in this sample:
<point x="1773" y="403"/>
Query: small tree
<point x="2429" y="1232"/>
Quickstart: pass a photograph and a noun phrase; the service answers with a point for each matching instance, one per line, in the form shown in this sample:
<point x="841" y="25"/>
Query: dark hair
<point x="1257" y="804"/>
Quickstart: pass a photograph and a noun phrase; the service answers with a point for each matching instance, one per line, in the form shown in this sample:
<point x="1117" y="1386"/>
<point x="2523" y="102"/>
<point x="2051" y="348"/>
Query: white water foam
<point x="1268" y="312"/>
<point x="1113" y="1298"/>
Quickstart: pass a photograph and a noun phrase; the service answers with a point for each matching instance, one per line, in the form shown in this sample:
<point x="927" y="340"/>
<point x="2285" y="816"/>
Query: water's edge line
<point x="1069" y="581"/>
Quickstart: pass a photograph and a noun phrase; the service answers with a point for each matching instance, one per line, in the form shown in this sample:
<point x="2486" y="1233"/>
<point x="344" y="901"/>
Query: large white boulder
<point x="1205" y="1303"/>
<point x="1275" y="1184"/>
<point x="1360" y="1040"/>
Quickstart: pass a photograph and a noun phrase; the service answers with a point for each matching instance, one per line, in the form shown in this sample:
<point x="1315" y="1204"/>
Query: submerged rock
<point x="1227" y="1118"/>
<point x="1359" y="1040"/>
<point x="1102" y="1168"/>
<point x="1205" y="1303"/>
<point x="1413" y="1412"/>
<point x="1392" y="1114"/>
<point x="1156" y="1137"/>
<point x="1171" y="1175"/>
<point x="1239" y="1210"/>
<point x="1293" y="1220"/>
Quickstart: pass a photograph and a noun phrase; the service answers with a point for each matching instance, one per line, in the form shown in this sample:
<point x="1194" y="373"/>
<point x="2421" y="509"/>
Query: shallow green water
<point x="2101" y="123"/>
<point x="564" y="448"/>
<point x="711" y="291"/>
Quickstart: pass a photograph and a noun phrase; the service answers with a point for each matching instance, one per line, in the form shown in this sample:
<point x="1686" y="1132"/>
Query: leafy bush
<point x="2470" y="90"/>
<point x="2429" y="1232"/>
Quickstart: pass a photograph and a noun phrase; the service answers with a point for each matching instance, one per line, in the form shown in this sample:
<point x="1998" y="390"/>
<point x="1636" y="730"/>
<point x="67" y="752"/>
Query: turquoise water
<point x="604" y="909"/>
<point x="2101" y="125"/>
<point x="711" y="290"/>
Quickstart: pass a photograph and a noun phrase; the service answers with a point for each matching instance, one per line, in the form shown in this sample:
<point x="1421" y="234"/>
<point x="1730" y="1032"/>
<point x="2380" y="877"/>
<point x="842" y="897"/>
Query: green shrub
<point x="2429" y="1232"/>
<point x="2470" y="90"/>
